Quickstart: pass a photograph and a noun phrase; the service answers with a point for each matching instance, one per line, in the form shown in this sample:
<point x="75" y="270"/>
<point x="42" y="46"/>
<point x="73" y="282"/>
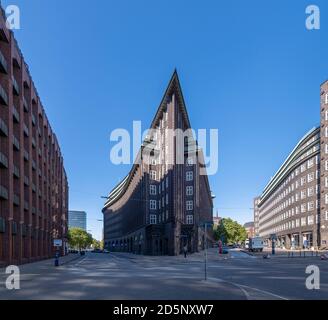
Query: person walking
<point x="185" y="250"/>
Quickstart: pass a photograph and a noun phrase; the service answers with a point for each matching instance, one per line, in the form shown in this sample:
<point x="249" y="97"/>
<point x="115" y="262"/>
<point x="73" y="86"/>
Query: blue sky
<point x="246" y="67"/>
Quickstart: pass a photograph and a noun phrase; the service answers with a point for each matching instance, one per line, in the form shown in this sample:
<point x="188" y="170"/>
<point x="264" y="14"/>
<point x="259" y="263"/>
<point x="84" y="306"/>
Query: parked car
<point x="96" y="251"/>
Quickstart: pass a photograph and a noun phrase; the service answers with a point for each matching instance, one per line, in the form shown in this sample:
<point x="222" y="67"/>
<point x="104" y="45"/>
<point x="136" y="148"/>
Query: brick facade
<point x="160" y="206"/>
<point x="33" y="183"/>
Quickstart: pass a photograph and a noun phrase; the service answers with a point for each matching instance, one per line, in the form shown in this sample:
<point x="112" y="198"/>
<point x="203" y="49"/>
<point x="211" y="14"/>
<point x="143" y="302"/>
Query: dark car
<point x="96" y="251"/>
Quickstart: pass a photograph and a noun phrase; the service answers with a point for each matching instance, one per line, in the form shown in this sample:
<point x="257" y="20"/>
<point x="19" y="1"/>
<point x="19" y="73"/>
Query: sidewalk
<point x="44" y="263"/>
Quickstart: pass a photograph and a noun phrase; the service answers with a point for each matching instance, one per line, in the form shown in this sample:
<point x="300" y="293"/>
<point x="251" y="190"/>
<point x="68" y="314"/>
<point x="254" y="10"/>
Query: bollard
<point x="57" y="259"/>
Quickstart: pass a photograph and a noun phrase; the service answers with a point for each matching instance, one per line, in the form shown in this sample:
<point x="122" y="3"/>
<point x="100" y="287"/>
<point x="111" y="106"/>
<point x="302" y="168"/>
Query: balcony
<point x="26" y="156"/>
<point x="25" y="105"/>
<point x="15" y="86"/>
<point x="26" y="181"/>
<point x="16" y="200"/>
<point x="2" y="225"/>
<point x="13" y="228"/>
<point x="3" y="96"/>
<point x="3" y="160"/>
<point x="15" y="143"/>
<point x="3" y="193"/>
<point x="16" y="172"/>
<point x="15" y="115"/>
<point x="3" y="63"/>
<point x="26" y="132"/>
<point x="24" y="230"/>
<point x="3" y="128"/>
<point x="33" y="120"/>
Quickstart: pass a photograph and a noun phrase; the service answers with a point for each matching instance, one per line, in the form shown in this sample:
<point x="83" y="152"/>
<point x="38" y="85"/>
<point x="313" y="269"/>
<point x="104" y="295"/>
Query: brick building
<point x="161" y="205"/>
<point x="33" y="183"/>
<point x="294" y="205"/>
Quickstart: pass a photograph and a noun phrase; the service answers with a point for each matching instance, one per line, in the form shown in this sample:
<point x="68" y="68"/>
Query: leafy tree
<point x="79" y="238"/>
<point x="230" y="231"/>
<point x="96" y="244"/>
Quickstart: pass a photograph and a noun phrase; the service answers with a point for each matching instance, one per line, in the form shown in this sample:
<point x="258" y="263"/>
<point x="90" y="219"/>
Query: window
<point x="303" y="208"/>
<point x="310" y="192"/>
<point x="303" y="180"/>
<point x="310" y="163"/>
<point x="153" y="161"/>
<point x="167" y="199"/>
<point x="159" y="204"/>
<point x="152" y="219"/>
<point x="303" y="221"/>
<point x="167" y="182"/>
<point x="326" y="198"/>
<point x="297" y="223"/>
<point x="189" y="191"/>
<point x="303" y="168"/>
<point x="152" y="204"/>
<point x="303" y="194"/>
<point x="310" y="205"/>
<point x="152" y="189"/>
<point x="326" y="132"/>
<point x="152" y="174"/>
<point x="189" y="205"/>
<point x="326" y="215"/>
<point x="159" y="219"/>
<point x="310" y="220"/>
<point x="190" y="219"/>
<point x="167" y="214"/>
<point x="326" y="148"/>
<point x="327" y="115"/>
<point x="189" y="175"/>
<point x="310" y="177"/>
<point x="159" y="188"/>
<point x="326" y="165"/>
<point x="190" y="161"/>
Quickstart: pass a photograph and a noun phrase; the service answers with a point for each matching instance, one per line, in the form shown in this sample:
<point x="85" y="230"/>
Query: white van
<point x="256" y="244"/>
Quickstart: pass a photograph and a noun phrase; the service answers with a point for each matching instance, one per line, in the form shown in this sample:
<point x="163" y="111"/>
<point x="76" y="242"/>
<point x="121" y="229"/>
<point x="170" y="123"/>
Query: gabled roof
<point x="173" y="87"/>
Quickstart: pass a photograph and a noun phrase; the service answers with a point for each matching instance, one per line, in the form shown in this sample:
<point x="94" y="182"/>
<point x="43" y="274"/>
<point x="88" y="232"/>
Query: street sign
<point x="58" y="242"/>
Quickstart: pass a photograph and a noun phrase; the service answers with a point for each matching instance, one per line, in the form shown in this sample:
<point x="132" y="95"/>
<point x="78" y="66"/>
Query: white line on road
<point x="243" y="287"/>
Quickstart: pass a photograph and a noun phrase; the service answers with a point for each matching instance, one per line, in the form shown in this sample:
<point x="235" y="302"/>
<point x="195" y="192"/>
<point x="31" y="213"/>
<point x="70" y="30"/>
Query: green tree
<point x="96" y="244"/>
<point x="230" y="231"/>
<point x="79" y="238"/>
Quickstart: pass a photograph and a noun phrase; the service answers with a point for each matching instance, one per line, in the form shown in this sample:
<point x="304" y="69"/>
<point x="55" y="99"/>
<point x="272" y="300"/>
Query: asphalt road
<point x="116" y="276"/>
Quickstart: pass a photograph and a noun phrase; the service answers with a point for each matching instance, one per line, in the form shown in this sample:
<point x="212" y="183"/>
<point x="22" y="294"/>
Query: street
<point x="125" y="276"/>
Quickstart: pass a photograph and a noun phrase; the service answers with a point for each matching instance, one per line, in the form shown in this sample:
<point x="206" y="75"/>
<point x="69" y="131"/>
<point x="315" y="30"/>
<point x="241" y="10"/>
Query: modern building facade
<point x="77" y="219"/>
<point x="161" y="205"/>
<point x="33" y="183"/>
<point x="256" y="216"/>
<point x="293" y="207"/>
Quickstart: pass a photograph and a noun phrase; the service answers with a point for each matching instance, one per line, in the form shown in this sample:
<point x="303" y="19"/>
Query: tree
<point x="96" y="244"/>
<point x="79" y="238"/>
<point x="230" y="231"/>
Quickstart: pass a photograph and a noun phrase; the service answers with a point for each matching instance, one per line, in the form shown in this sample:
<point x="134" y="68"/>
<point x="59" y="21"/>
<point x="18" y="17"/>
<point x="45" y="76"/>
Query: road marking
<point x="241" y="287"/>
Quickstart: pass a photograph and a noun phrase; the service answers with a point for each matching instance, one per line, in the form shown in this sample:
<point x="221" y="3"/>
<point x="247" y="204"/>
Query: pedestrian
<point x="185" y="250"/>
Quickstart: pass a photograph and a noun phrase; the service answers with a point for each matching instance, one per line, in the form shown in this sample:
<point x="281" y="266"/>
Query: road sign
<point x="58" y="242"/>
